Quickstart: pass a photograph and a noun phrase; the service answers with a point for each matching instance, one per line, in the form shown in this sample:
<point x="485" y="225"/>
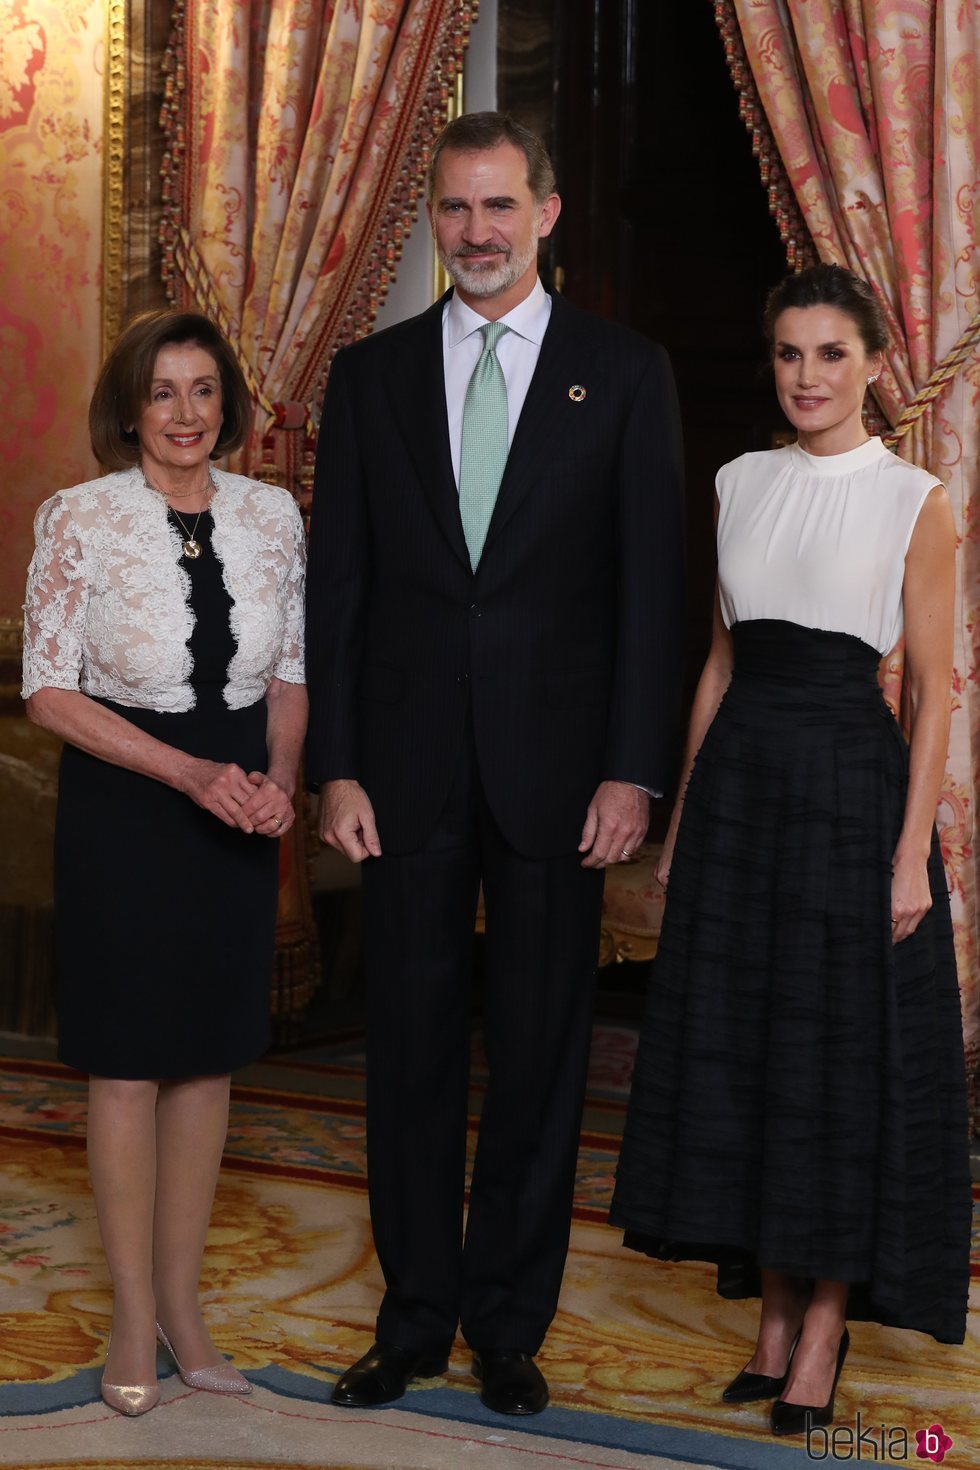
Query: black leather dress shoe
<point x="512" y="1383"/>
<point x="383" y="1374"/>
<point x="799" y="1418"/>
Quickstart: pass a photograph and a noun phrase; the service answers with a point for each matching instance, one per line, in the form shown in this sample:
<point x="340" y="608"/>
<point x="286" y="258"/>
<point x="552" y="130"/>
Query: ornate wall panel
<point x="51" y="133"/>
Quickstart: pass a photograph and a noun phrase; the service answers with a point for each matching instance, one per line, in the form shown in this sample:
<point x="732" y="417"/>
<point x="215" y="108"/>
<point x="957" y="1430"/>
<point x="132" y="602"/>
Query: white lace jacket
<point x="108" y="609"/>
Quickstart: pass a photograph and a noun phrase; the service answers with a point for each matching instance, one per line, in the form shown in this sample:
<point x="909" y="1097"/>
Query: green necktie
<point x="483" y="452"/>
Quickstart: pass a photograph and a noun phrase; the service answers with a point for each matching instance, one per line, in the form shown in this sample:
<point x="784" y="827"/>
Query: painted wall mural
<point x="51" y="110"/>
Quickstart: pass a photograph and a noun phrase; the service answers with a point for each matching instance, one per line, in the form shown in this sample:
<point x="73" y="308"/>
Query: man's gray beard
<point x="488" y="281"/>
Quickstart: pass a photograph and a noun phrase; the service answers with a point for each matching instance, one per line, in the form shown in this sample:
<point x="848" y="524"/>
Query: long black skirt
<point x="799" y="1098"/>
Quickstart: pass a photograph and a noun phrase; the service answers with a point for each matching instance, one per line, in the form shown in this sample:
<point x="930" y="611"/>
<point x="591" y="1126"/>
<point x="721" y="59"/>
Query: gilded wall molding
<point x="441" y="280"/>
<point x="114" y="170"/>
<point x="136" y="38"/>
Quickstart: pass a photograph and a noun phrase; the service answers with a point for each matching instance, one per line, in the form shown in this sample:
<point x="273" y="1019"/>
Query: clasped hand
<point x="253" y="802"/>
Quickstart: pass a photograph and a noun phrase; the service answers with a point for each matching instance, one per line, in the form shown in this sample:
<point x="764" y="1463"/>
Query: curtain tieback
<point x="291" y="415"/>
<point x="285" y="415"/>
<point x="930" y="391"/>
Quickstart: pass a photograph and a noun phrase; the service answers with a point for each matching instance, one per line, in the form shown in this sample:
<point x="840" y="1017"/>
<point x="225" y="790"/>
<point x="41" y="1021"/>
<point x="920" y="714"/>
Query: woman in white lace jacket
<point x="163" y="641"/>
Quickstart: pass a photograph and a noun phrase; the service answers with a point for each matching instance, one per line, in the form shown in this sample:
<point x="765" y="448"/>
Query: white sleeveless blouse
<point x="819" y="540"/>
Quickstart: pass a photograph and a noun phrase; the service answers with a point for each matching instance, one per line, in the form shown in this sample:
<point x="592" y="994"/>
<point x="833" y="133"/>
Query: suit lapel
<point x="417" y="394"/>
<point x="561" y="362"/>
<point x="416" y="388"/>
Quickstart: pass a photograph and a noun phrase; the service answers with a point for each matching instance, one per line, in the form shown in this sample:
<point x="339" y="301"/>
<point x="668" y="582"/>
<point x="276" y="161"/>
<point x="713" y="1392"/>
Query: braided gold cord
<point x="196" y="275"/>
<point x="930" y="391"/>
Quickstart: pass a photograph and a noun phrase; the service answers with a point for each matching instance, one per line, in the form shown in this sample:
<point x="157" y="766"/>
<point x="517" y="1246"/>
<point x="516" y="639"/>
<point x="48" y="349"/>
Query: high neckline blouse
<point x="819" y="540"/>
<point x="840" y="464"/>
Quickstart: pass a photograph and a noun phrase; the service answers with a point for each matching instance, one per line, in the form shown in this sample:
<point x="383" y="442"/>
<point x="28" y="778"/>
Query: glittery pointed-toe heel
<point x="219" y="1378"/>
<point x="130" y="1399"/>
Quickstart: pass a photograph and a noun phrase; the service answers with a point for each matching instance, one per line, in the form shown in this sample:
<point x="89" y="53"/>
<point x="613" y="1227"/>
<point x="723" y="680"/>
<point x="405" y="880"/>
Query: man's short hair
<point x="478" y="132"/>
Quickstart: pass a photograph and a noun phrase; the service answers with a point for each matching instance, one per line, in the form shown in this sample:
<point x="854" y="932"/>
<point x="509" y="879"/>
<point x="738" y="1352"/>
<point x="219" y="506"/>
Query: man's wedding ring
<point x="278" y="821"/>
<point x="625" y="853"/>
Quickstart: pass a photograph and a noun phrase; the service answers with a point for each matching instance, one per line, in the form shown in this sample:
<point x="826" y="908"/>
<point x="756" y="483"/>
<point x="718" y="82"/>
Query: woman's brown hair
<point x="123" y="387"/>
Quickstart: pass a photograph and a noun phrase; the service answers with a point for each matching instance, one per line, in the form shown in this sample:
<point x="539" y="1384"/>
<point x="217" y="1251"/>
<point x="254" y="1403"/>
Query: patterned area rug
<point x="635" y="1356"/>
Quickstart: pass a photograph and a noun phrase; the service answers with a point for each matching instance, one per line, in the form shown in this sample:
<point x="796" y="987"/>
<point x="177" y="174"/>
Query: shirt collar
<point x="529" y="319"/>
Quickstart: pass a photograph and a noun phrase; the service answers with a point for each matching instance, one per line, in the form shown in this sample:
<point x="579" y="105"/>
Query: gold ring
<point x="278" y="821"/>
<point x="624" y="852"/>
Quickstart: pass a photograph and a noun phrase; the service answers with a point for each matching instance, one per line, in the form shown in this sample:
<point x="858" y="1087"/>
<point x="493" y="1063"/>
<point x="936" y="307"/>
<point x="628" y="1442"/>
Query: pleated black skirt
<point x="799" y="1098"/>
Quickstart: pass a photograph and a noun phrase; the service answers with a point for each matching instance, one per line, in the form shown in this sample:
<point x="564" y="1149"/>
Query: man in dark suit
<point x="493" y="662"/>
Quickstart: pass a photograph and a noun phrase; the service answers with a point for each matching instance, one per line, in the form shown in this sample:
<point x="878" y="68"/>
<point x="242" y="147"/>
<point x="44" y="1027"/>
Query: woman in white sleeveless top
<point x="798" y="1114"/>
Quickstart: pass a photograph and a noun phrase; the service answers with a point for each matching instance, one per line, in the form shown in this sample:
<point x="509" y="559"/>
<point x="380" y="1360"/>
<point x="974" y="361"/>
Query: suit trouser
<point x="500" y="1281"/>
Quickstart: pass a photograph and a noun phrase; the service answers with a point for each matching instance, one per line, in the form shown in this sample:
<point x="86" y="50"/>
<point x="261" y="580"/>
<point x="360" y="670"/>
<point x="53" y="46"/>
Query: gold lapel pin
<point x="576" y="393"/>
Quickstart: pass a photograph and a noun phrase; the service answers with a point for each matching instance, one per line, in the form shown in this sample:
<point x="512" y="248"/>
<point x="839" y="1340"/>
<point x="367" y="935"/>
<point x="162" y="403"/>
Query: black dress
<point x="799" y="1094"/>
<point x="164" y="917"/>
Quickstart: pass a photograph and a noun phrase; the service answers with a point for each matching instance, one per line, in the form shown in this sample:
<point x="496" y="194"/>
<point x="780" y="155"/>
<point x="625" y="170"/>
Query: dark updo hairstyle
<point x="123" y="387"/>
<point x="829" y="285"/>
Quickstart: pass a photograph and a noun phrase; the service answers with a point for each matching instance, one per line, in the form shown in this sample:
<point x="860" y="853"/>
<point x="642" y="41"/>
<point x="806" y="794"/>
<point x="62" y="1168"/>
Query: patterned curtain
<point x="298" y="134"/>
<point x="297" y="137"/>
<point x="874" y="108"/>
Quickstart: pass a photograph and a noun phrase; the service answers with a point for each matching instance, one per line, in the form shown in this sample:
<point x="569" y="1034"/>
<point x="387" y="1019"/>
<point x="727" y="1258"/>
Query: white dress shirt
<point x="517" y="353"/>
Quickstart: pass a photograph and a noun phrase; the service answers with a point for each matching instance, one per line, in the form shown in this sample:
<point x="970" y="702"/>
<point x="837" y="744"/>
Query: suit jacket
<point x="565" y="643"/>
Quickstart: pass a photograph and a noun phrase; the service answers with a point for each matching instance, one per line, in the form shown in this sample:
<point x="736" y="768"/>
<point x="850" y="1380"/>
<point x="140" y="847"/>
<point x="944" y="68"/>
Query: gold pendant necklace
<point x="190" y="547"/>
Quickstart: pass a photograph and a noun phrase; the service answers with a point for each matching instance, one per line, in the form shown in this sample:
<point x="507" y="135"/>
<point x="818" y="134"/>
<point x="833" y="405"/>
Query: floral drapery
<point x="298" y="133"/>
<point x="874" y="106"/>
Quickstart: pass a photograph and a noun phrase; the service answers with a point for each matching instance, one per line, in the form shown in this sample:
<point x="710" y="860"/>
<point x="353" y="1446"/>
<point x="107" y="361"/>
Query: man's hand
<point x="615" y="824"/>
<point x="347" y="820"/>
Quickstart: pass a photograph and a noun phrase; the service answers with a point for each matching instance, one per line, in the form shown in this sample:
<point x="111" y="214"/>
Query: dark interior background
<point x="665" y="223"/>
